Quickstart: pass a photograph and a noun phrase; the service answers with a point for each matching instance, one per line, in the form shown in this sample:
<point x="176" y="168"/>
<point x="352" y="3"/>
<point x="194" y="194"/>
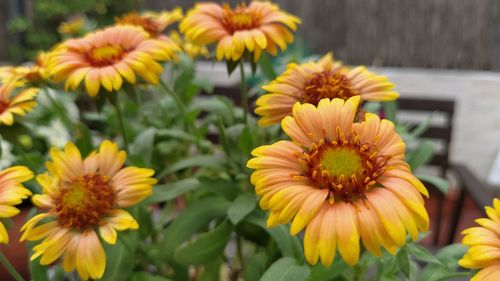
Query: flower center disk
<point x="239" y="19"/>
<point x="344" y="166"/>
<point x="106" y="55"/>
<point x="327" y="84"/>
<point x="83" y="201"/>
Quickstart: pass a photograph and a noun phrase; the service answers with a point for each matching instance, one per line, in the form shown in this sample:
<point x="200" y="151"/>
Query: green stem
<point x="64" y="117"/>
<point x="10" y="268"/>
<point x="174" y="95"/>
<point x="244" y="92"/>
<point x="119" y="112"/>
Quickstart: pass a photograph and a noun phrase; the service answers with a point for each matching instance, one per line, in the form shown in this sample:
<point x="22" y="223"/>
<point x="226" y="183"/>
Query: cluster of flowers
<point x="342" y="177"/>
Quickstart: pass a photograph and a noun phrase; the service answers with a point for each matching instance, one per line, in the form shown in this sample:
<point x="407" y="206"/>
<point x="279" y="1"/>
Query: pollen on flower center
<point x="327" y="84"/>
<point x="83" y="201"/>
<point x="105" y="55"/>
<point x="345" y="166"/>
<point x="239" y="19"/>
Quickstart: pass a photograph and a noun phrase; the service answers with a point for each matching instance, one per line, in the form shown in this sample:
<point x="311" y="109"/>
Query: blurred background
<point x="442" y="54"/>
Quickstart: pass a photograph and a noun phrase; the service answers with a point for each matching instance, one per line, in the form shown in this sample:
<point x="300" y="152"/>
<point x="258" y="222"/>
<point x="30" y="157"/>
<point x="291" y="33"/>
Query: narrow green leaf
<point x="225" y="188"/>
<point x="190" y="220"/>
<point x="146" y="276"/>
<point x="143" y="145"/>
<point x="120" y="258"/>
<point x="231" y="66"/>
<point x="206" y="246"/>
<point x="207" y="161"/>
<point x="390" y="108"/>
<point x="286" y="269"/>
<point x="422" y="155"/>
<point x="403" y="262"/>
<point x="321" y="273"/>
<point x="83" y="138"/>
<point x="169" y="191"/>
<point x="245" y="142"/>
<point x="421" y="253"/>
<point x="422" y="127"/>
<point x="440" y="183"/>
<point x="255" y="267"/>
<point x="211" y="270"/>
<point x="173" y="133"/>
<point x="242" y="206"/>
<point x="266" y="66"/>
<point x="205" y="84"/>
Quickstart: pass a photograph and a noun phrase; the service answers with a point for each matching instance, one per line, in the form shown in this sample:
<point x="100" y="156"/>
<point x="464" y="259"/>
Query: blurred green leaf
<point x="255" y="267"/>
<point x="143" y="145"/>
<point x="207" y="161"/>
<point x="390" y="108"/>
<point x="231" y="66"/>
<point x="190" y="220"/>
<point x="214" y="105"/>
<point x="440" y="183"/>
<point x="421" y="253"/>
<point x="225" y="188"/>
<point x="169" y="191"/>
<point x="146" y="276"/>
<point x="205" y="84"/>
<point x="242" y="206"/>
<point x="266" y="66"/>
<point x="422" y="155"/>
<point x="211" y="270"/>
<point x="403" y="262"/>
<point x="174" y="134"/>
<point x="422" y="127"/>
<point x="286" y="269"/>
<point x="321" y="273"/>
<point x="84" y="138"/>
<point x="245" y="143"/>
<point x="120" y="258"/>
<point x="206" y="246"/>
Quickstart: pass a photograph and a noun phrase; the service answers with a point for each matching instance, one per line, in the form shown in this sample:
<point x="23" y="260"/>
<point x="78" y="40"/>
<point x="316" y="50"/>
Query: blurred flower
<point x="31" y="73"/>
<point x="74" y="26"/>
<point x="15" y="101"/>
<point x="484" y="243"/>
<point x="109" y="56"/>
<point x="6" y="152"/>
<point x="260" y="26"/>
<point x="342" y="181"/>
<point x="56" y="133"/>
<point x="191" y="49"/>
<point x="313" y="81"/>
<point x="82" y="196"/>
<point x="12" y="192"/>
<point x="152" y="22"/>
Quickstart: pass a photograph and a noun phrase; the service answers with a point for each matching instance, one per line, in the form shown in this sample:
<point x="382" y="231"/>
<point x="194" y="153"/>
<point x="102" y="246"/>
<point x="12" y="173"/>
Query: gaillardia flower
<point x="108" y="58"/>
<point x="260" y="26"/>
<point x="341" y="181"/>
<point x="15" y="101"/>
<point x="191" y="49"/>
<point x="73" y="26"/>
<point x="152" y="22"/>
<point x="313" y="81"/>
<point x="12" y="192"/>
<point x="484" y="243"/>
<point x="31" y="73"/>
<point x="83" y="197"/>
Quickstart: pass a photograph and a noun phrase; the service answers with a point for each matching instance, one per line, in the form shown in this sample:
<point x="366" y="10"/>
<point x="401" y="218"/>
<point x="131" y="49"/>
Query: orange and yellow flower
<point x="152" y="22"/>
<point x="74" y="26"/>
<point x="484" y="243"/>
<point x="108" y="58"/>
<point x="341" y="181"/>
<point x="14" y="101"/>
<point x="84" y="197"/>
<point x="313" y="81"/>
<point x="191" y="49"/>
<point x="31" y="73"/>
<point x="258" y="27"/>
<point x="12" y="192"/>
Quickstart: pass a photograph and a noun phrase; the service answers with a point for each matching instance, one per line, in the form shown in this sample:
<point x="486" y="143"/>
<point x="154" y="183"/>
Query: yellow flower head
<point x="152" y="22"/>
<point x="14" y="101"/>
<point x="108" y="58"/>
<point x="313" y="81"/>
<point x="341" y="181"/>
<point x="32" y="73"/>
<point x="74" y="26"/>
<point x="12" y="192"/>
<point x="258" y="27"/>
<point x="484" y="243"/>
<point x="193" y="50"/>
<point x="83" y="197"/>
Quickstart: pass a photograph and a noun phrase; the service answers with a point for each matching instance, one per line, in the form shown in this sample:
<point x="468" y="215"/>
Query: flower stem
<point x="174" y="95"/>
<point x="119" y="112"/>
<point x="244" y="92"/>
<point x="67" y="122"/>
<point x="10" y="268"/>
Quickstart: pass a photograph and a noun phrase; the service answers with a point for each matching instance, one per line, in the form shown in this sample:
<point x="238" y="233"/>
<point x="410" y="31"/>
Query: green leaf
<point x="451" y="253"/>
<point x="422" y="155"/>
<point x="38" y="272"/>
<point x="174" y="134"/>
<point x="214" y="105"/>
<point x="143" y="145"/>
<point x="146" y="276"/>
<point x="245" y="143"/>
<point x="403" y="262"/>
<point x="255" y="267"/>
<point x="390" y="108"/>
<point x="120" y="258"/>
<point x="421" y="253"/>
<point x="225" y="188"/>
<point x="286" y="269"/>
<point x="206" y="246"/>
<point x="321" y="273"/>
<point x="241" y="207"/>
<point x="205" y="84"/>
<point x="266" y="66"/>
<point x="422" y="127"/>
<point x="131" y="92"/>
<point x="207" y="161"/>
<point x="231" y="66"/>
<point x="211" y="270"/>
<point x="190" y="220"/>
<point x="169" y="191"/>
<point x="440" y="183"/>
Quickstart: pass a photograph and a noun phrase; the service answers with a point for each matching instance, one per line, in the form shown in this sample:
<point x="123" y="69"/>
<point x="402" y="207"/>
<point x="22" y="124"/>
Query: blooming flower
<point x="193" y="50"/>
<point x="13" y="101"/>
<point x="152" y="22"/>
<point x="12" y="192"/>
<point x="82" y="197"/>
<point x="74" y="26"/>
<point x="260" y="26"/>
<point x="30" y="73"/>
<point x="108" y="58"/>
<point x="341" y="181"/>
<point x="484" y="243"/>
<point x="313" y="81"/>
